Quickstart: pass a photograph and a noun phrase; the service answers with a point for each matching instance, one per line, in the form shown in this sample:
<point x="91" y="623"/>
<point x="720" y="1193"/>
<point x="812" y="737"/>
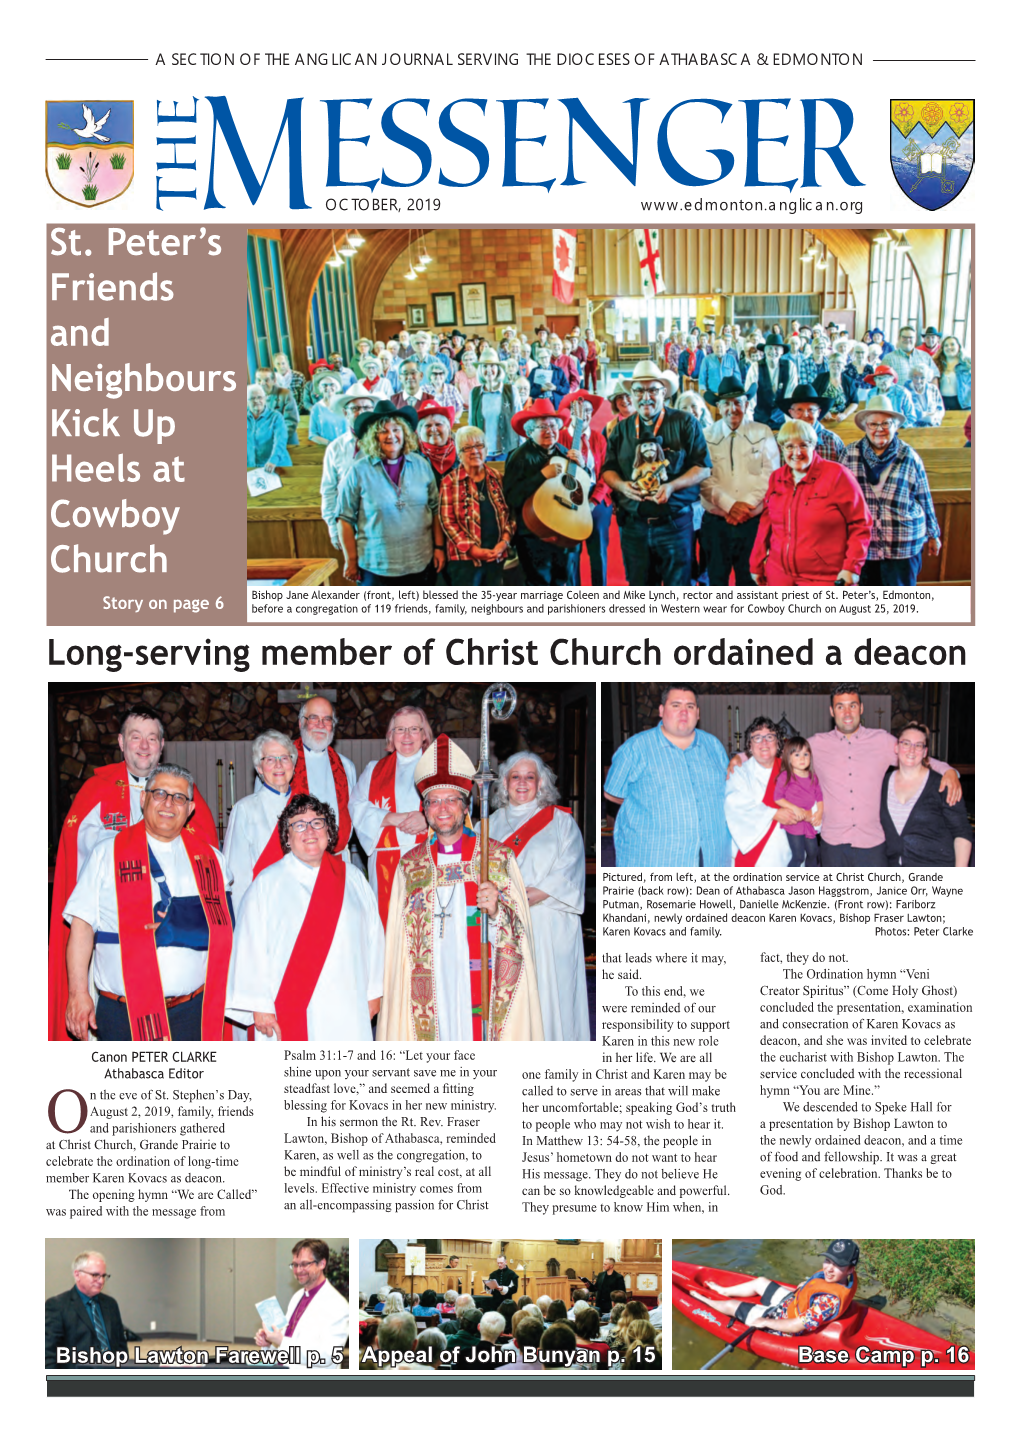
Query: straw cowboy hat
<point x="647" y="372"/>
<point x="877" y="405"/>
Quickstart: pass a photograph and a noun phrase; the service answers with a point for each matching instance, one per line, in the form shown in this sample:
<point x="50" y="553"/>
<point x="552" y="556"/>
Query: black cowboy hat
<point x="803" y="393"/>
<point x="730" y="388"/>
<point x="384" y="412"/>
<point x="774" y="340"/>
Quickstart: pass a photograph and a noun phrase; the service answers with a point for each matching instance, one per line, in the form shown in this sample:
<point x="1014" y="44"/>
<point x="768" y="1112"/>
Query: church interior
<point x="313" y="292"/>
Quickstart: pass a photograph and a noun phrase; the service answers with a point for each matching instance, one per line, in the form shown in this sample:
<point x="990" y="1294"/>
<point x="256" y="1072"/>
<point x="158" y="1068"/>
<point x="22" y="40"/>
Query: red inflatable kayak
<point x="863" y="1338"/>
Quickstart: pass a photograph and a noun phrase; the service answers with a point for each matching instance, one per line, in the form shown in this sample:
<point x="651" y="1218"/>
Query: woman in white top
<point x="385" y="806"/>
<point x="550" y="853"/>
<point x="252" y="825"/>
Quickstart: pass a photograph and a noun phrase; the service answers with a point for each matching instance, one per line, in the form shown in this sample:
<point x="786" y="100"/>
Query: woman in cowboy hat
<point x="894" y="482"/>
<point x="621" y="403"/>
<point x="541" y="456"/>
<point x="492" y="406"/>
<point x="815" y="525"/>
<point x="389" y="504"/>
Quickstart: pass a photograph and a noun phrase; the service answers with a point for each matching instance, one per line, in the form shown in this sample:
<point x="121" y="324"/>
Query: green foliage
<point x="923" y="1270"/>
<point x="117" y="160"/>
<point x="338" y="1271"/>
<point x="64" y="161"/>
<point x="90" y="192"/>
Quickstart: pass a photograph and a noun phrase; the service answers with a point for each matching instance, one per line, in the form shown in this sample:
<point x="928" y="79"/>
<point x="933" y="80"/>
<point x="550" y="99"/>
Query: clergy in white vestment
<point x="432" y="985"/>
<point x="318" y="1316"/>
<point x="152" y="913"/>
<point x="308" y="959"/>
<point x="252" y="841"/>
<point x="385" y="806"/>
<point x="550" y="853"/>
<point x="754" y="819"/>
<point x="323" y="772"/>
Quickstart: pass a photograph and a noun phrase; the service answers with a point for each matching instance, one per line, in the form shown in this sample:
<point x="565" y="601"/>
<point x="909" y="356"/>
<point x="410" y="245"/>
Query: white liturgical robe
<point x="94" y="900"/>
<point x="252" y="821"/>
<point x="748" y="818"/>
<point x="271" y="916"/>
<point x="92" y="831"/>
<point x="367" y="819"/>
<point x="553" y="861"/>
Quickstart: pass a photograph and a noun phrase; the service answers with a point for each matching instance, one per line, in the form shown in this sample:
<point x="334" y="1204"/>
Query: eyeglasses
<point x="911" y="745"/>
<point x="318" y="719"/>
<point x="652" y="392"/>
<point x="88" y="1274"/>
<point x="408" y="730"/>
<point x="304" y="1263"/>
<point x="764" y="739"/>
<point x="300" y="827"/>
<point x="161" y="795"/>
<point x="275" y="759"/>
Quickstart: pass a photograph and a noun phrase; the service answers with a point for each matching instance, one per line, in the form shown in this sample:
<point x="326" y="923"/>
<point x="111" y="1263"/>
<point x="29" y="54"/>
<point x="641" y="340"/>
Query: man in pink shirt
<point x="850" y="762"/>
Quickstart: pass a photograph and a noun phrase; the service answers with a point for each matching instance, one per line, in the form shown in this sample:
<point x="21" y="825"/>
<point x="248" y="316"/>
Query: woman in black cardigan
<point x="921" y="829"/>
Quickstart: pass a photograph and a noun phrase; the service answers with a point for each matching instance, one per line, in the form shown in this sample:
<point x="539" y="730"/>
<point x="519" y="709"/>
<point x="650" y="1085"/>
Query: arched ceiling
<point x="305" y="251"/>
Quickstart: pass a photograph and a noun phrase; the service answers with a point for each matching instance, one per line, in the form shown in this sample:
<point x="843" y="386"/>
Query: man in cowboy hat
<point x="541" y="456"/>
<point x="432" y="979"/>
<point x="362" y="350"/>
<point x="806" y="406"/>
<point x="744" y="455"/>
<point x="656" y="533"/>
<point x="593" y="413"/>
<point x="777" y="378"/>
<point x="340" y="455"/>
<point x="895" y="485"/>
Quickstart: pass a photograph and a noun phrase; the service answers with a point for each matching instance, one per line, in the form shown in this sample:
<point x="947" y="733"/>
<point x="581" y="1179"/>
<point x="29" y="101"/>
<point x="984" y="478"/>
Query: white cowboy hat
<point x="877" y="403"/>
<point x="647" y="372"/>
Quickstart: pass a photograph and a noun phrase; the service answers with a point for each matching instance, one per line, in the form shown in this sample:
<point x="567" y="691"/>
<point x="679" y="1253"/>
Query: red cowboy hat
<point x="537" y="408"/>
<point x="430" y="408"/>
<point x="601" y="408"/>
<point x="882" y="372"/>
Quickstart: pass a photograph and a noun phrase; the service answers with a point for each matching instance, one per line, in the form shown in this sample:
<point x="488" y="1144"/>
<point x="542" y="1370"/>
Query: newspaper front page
<point x="526" y="831"/>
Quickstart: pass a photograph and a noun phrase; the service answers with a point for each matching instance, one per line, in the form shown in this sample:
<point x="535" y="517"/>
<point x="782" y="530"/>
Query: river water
<point x="786" y="1260"/>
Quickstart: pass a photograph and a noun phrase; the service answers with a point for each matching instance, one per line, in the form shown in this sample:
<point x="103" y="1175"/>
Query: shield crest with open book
<point x="90" y="151"/>
<point x="932" y="149"/>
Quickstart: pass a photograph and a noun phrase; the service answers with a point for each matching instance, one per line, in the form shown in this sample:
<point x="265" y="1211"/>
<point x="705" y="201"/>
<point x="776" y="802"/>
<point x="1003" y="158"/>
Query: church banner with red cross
<point x="649" y="261"/>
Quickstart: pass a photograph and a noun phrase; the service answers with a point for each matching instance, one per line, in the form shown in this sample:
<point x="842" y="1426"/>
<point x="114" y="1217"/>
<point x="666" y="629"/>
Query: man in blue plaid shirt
<point x="895" y="486"/>
<point x="669" y="784"/>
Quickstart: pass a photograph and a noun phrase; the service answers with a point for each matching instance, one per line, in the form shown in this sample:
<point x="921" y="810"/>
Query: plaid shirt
<point x="830" y="445"/>
<point x="901" y="506"/>
<point x="461" y="516"/>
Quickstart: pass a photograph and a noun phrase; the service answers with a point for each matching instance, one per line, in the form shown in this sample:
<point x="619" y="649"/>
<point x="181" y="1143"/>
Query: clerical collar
<point x="451" y="850"/>
<point x="137" y="782"/>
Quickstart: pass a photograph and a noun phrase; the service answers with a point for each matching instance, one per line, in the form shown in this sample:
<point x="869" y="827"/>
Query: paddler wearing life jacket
<point x="824" y="1297"/>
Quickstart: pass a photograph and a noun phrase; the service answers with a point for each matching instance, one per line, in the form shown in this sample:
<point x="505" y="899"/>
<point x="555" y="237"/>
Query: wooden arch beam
<point x="304" y="253"/>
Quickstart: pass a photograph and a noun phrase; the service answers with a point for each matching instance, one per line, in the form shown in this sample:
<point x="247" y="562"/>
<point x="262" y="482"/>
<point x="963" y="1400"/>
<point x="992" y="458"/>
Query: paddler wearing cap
<point x="895" y="485"/>
<point x="657" y="533"/>
<point x="824" y="1297"/>
<point x="432" y="979"/>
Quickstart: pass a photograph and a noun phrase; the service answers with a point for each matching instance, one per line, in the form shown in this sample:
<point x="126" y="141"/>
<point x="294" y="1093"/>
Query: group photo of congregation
<point x="314" y="862"/>
<point x="226" y="1303"/>
<point x="719" y="407"/>
<point x="509" y="1305"/>
<point x="788" y="776"/>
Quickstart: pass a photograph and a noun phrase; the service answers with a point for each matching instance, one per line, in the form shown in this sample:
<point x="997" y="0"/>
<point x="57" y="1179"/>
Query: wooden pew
<point x="295" y="573"/>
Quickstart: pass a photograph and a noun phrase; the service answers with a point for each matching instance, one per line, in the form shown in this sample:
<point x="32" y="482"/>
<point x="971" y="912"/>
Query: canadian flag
<point x="564" y="245"/>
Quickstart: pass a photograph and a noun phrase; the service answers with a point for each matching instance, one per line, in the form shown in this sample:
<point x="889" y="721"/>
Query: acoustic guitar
<point x="559" y="512"/>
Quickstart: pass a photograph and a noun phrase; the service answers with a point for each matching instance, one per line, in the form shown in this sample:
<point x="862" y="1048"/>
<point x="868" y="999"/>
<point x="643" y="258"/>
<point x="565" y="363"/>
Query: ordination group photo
<point x="605" y="406"/>
<point x="322" y="862"/>
<point x="788" y="776"/>
<point x="509" y="1305"/>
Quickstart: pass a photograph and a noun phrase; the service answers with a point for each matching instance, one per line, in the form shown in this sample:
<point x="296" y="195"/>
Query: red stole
<point x="382" y="792"/>
<point x="299" y="786"/>
<point x="768" y="799"/>
<point x="110" y="789"/>
<point x="517" y="842"/>
<point x="309" y="953"/>
<point x="474" y="931"/>
<point x="143" y="986"/>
